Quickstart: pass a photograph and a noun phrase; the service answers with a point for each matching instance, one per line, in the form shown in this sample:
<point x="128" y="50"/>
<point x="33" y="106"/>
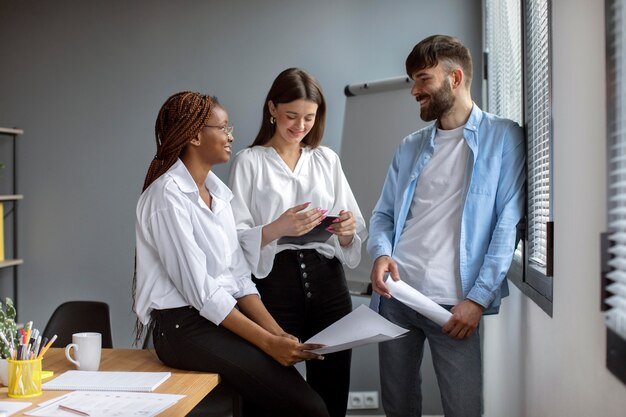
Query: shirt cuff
<point x="350" y="255"/>
<point x="480" y="296"/>
<point x="216" y="308"/>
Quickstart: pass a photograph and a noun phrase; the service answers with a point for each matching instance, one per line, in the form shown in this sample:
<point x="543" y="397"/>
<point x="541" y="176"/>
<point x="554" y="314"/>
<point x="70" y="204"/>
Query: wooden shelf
<point x="11" y="197"/>
<point x="11" y="131"/>
<point x="11" y="262"/>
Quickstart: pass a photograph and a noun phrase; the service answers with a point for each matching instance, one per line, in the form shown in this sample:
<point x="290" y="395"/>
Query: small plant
<point x="8" y="328"/>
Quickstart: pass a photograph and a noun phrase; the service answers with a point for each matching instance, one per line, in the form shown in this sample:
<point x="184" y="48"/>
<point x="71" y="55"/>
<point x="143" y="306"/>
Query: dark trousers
<point x="306" y="292"/>
<point x="185" y="340"/>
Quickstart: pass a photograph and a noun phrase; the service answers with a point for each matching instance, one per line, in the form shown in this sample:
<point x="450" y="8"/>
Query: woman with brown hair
<point x="192" y="282"/>
<point x="285" y="184"/>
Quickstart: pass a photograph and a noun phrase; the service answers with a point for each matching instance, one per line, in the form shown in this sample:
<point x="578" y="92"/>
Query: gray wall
<point x="86" y="79"/>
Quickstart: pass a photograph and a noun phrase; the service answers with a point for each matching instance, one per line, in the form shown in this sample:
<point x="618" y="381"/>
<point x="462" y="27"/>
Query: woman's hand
<point x="293" y="222"/>
<point x="283" y="347"/>
<point x="344" y="226"/>
<point x="288" y="351"/>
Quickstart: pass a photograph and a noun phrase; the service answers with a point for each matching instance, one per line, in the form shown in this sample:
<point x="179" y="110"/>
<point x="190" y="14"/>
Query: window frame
<point x="534" y="281"/>
<point x="615" y="342"/>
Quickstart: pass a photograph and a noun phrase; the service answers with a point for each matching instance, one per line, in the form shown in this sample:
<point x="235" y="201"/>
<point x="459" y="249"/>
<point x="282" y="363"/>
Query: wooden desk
<point x="194" y="385"/>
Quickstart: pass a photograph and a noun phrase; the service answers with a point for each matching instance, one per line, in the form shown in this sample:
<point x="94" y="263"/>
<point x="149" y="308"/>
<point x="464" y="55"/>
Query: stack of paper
<point x="107" y="381"/>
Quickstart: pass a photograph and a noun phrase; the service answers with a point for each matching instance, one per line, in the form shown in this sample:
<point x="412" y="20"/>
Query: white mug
<point x="87" y="348"/>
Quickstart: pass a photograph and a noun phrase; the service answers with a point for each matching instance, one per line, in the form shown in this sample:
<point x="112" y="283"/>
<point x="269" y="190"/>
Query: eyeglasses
<point x="226" y="129"/>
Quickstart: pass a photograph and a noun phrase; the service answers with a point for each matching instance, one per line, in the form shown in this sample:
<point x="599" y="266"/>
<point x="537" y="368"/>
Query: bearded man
<point x="445" y="224"/>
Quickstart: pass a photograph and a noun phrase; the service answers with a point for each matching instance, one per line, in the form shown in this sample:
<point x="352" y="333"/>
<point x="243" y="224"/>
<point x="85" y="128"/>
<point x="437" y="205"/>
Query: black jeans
<point x="185" y="340"/>
<point x="306" y="292"/>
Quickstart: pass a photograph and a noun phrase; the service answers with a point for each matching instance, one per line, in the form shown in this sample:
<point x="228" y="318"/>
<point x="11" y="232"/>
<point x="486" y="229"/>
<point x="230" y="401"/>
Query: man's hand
<point x="382" y="266"/>
<point x="464" y="320"/>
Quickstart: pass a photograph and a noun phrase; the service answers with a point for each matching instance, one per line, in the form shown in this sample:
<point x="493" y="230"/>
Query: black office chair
<point x="79" y="316"/>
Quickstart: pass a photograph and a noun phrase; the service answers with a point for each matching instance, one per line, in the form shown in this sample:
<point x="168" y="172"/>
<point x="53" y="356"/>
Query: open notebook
<point x="107" y="381"/>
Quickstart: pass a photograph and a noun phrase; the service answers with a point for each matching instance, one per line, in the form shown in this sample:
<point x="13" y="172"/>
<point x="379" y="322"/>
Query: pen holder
<point x="24" y="378"/>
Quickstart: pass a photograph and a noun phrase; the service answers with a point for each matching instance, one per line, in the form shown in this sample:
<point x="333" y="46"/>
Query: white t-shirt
<point x="427" y="253"/>
<point x="188" y="253"/>
<point x="264" y="188"/>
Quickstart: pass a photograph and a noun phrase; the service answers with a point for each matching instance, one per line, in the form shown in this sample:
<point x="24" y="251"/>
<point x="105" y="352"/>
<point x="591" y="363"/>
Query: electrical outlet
<point x="370" y="400"/>
<point x="359" y="400"/>
<point x="355" y="400"/>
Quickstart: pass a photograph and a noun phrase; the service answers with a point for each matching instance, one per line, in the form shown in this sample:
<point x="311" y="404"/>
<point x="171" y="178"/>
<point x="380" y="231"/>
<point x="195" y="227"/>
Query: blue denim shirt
<point x="493" y="202"/>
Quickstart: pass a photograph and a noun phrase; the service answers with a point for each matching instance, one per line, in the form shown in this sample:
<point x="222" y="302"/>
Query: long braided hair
<point x="179" y="121"/>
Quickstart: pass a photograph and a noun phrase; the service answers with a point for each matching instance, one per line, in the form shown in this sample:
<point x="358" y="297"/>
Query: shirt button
<point x="302" y="266"/>
<point x="301" y="255"/>
<point x="307" y="285"/>
<point x="177" y="326"/>
<point x="304" y="275"/>
<point x="309" y="295"/>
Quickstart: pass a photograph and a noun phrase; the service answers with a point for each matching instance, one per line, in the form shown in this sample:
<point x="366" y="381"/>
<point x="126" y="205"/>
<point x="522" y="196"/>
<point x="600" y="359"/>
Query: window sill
<point x="516" y="276"/>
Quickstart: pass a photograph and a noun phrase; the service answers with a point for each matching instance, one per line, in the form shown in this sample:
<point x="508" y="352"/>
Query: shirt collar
<point x="185" y="182"/>
<point x="471" y="127"/>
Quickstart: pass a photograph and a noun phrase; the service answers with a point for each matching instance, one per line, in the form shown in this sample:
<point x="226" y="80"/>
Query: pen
<point x="47" y="346"/>
<point x="73" y="410"/>
<point x="30" y="329"/>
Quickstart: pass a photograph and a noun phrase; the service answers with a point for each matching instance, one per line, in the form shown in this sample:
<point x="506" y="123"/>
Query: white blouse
<point x="188" y="254"/>
<point x="264" y="188"/>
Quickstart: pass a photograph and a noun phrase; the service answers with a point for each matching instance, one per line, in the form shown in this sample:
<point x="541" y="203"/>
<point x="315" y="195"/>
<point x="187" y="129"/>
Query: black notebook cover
<point x="317" y="234"/>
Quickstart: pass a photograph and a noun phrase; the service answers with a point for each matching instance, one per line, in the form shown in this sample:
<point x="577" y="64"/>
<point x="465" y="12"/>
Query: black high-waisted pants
<point x="185" y="340"/>
<point x="306" y="292"/>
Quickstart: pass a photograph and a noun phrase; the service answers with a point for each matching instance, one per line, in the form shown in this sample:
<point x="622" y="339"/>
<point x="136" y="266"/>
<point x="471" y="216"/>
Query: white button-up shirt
<point x="265" y="187"/>
<point x="187" y="253"/>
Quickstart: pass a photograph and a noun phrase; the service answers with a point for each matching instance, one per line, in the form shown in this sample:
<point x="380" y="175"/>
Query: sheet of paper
<point x="411" y="297"/>
<point x="362" y="326"/>
<point x="107" y="403"/>
<point x="12" y="407"/>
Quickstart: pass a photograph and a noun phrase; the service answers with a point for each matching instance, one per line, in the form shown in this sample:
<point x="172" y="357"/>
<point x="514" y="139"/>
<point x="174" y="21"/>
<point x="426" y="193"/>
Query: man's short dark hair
<point x="440" y="49"/>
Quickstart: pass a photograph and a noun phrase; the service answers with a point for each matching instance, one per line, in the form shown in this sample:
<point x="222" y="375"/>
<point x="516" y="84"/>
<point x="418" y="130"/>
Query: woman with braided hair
<point x="192" y="283"/>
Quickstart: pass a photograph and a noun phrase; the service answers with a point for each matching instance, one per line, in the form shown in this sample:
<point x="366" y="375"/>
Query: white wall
<point x="539" y="366"/>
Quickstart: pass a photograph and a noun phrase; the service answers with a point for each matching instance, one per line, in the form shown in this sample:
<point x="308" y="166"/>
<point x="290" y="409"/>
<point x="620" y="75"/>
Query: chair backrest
<point x="79" y="316"/>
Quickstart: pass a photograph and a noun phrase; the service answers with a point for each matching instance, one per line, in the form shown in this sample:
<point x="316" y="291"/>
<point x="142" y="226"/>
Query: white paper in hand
<point x="360" y="327"/>
<point x="411" y="297"/>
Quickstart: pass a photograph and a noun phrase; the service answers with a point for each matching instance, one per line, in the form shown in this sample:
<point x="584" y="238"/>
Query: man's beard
<point x="439" y="103"/>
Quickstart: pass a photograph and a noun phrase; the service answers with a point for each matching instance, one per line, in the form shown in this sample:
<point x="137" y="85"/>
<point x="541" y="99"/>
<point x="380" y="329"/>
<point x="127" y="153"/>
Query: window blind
<point x="616" y="132"/>
<point x="503" y="46"/>
<point x="503" y="41"/>
<point x="538" y="127"/>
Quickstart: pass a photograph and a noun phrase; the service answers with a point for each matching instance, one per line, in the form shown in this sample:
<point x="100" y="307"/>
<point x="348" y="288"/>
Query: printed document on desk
<point x="104" y="404"/>
<point x="361" y="327"/>
<point x="12" y="407"/>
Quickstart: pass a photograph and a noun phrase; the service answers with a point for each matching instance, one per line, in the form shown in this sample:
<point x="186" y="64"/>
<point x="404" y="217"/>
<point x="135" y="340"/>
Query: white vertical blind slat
<point x="616" y="134"/>
<point x="538" y="129"/>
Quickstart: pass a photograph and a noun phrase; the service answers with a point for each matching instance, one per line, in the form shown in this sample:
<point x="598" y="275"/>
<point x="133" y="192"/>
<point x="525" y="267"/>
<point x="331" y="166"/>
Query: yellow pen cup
<point x="24" y="378"/>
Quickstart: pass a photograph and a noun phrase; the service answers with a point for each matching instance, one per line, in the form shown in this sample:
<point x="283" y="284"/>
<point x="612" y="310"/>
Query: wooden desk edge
<point x="194" y="385"/>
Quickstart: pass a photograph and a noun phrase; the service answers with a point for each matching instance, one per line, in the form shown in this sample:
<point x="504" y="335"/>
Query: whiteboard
<point x="374" y="126"/>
